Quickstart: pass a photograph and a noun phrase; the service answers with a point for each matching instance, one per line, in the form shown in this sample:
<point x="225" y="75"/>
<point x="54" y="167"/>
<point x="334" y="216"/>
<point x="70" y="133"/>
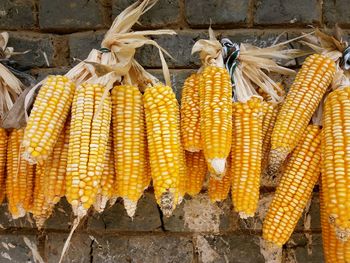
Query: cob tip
<point x="342" y="234"/>
<point x="130" y="207"/>
<point x="276" y="160"/>
<point x="271" y="252"/>
<point x="21" y="212"/>
<point x="100" y="204"/>
<point x="26" y="156"/>
<point x="167" y="203"/>
<point x="218" y="165"/>
<point x="39" y="222"/>
<point x="244" y="215"/>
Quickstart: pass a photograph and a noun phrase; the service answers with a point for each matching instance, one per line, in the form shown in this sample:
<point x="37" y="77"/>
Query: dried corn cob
<point x="88" y="139"/>
<point x="270" y="112"/>
<point x="246" y="155"/>
<point x="20" y="177"/>
<point x="50" y="179"/>
<point x="164" y="144"/>
<point x="293" y="192"/>
<point x="47" y="118"/>
<point x="334" y="250"/>
<point x="302" y="99"/>
<point x="129" y="145"/>
<point x="215" y="93"/>
<point x="190" y="114"/>
<point x="196" y="171"/>
<point x="336" y="160"/>
<point x="218" y="189"/>
<point x="183" y="183"/>
<point x="3" y="146"/>
<point x="108" y="178"/>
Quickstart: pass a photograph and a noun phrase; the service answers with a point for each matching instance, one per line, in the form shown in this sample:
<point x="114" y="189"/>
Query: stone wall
<point x="56" y="32"/>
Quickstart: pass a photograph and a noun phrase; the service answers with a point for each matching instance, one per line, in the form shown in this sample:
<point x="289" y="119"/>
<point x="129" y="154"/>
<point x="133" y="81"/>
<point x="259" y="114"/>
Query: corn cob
<point x="20" y="177"/>
<point x="196" y="171"/>
<point x="183" y="179"/>
<point x="164" y="144"/>
<point x="3" y="146"/>
<point x="270" y="112"/>
<point x="293" y="192"/>
<point x="218" y="189"/>
<point x="190" y="114"/>
<point x="215" y="93"/>
<point x="88" y="140"/>
<point x="302" y="99"/>
<point x="336" y="160"/>
<point x="246" y="155"/>
<point x="334" y="250"/>
<point x="47" y="118"/>
<point x="50" y="179"/>
<point x="107" y="178"/>
<point x="129" y="145"/>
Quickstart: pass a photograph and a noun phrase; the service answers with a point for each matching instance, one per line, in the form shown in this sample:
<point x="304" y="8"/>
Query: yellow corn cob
<point x="20" y="177"/>
<point x="293" y="192"/>
<point x="196" y="168"/>
<point x="301" y="102"/>
<point x="47" y="118"/>
<point x="270" y="112"/>
<point x="218" y="189"/>
<point x="190" y="114"/>
<point x="3" y="146"/>
<point x="107" y="179"/>
<point x="129" y="145"/>
<point x="50" y="179"/>
<point x="246" y="155"/>
<point x="89" y="133"/>
<point x="164" y="145"/>
<point x="334" y="250"/>
<point x="183" y="183"/>
<point x="336" y="160"/>
<point x="215" y="93"/>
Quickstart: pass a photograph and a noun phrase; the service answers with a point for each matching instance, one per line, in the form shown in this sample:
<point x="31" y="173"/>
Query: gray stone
<point x="336" y="12"/>
<point x="70" y="16"/>
<point x="78" y="251"/>
<point x="7" y="222"/>
<point x="146" y="218"/>
<point x="145" y="249"/>
<point x="17" y="14"/>
<point x="80" y="44"/>
<point x="178" y="46"/>
<point x="61" y="218"/>
<point x="220" y="12"/>
<point x="163" y="13"/>
<point x="287" y="12"/>
<point x="38" y="45"/>
<point x="228" y="248"/>
<point x="304" y="250"/>
<point x="13" y="248"/>
<point x="40" y="74"/>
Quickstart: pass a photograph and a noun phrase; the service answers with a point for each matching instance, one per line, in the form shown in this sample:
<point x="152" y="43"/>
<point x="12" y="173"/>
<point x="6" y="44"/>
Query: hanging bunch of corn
<point x="215" y="110"/>
<point x="304" y="95"/>
<point x="247" y="65"/>
<point x="10" y="88"/>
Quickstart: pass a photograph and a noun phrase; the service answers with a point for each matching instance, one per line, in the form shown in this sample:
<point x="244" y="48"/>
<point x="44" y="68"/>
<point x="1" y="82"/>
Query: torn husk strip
<point x="210" y="51"/>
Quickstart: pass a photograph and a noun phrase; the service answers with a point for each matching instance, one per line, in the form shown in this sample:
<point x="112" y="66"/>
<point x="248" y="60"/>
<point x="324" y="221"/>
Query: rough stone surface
<point x="40" y="74"/>
<point x="228" y="248"/>
<point x="17" y="14"/>
<point x="164" y="13"/>
<point x="79" y="249"/>
<point x="146" y="218"/>
<point x="61" y="218"/>
<point x="68" y="15"/>
<point x="287" y="12"/>
<point x="14" y="249"/>
<point x="38" y="45"/>
<point x="336" y="12"/>
<point x="220" y="12"/>
<point x="146" y="249"/>
<point x="306" y="250"/>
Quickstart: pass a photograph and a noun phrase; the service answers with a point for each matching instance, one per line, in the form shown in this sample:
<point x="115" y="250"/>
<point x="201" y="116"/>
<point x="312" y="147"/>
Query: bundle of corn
<point x="247" y="65"/>
<point x="304" y="95"/>
<point x="209" y="103"/>
<point x="19" y="181"/>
